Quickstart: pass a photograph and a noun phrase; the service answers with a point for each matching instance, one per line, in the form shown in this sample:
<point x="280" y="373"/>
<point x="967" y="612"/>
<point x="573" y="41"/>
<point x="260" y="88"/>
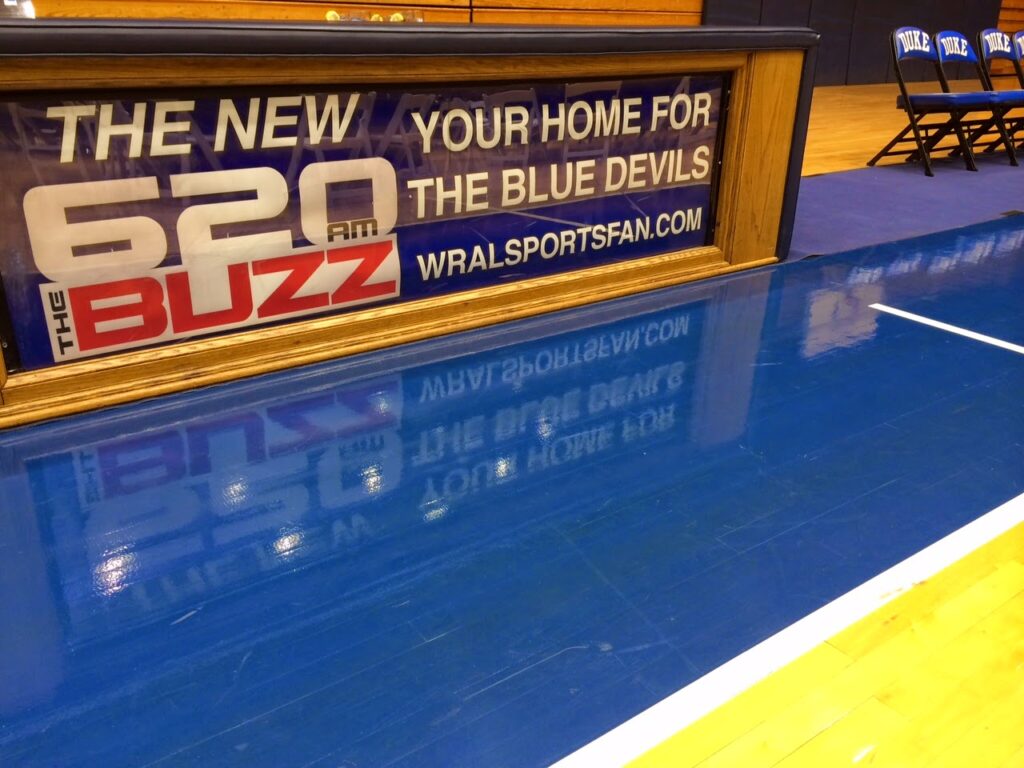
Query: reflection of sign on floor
<point x="158" y="512"/>
<point x="841" y="318"/>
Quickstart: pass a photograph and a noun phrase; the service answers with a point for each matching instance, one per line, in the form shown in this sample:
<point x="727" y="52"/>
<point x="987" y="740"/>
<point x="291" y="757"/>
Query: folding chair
<point x="914" y="43"/>
<point x="1018" y="47"/>
<point x="996" y="44"/>
<point x="954" y="47"/>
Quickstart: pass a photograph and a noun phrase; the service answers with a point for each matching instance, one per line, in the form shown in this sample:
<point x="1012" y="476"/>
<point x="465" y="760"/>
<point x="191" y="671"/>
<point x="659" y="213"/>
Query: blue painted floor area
<point x="487" y="550"/>
<point x="842" y="211"/>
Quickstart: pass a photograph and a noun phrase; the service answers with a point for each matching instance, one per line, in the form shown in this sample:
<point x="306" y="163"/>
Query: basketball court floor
<point x="589" y="528"/>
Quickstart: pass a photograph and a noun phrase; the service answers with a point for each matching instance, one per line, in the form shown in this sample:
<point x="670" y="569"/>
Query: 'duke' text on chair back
<point x="996" y="45"/>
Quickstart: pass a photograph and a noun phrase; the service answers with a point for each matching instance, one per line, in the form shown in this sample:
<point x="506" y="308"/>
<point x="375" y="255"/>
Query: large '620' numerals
<point x="110" y="290"/>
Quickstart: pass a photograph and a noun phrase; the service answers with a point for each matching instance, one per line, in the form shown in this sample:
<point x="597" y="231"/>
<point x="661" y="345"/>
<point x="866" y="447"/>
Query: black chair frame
<point x="924" y="137"/>
<point x="1013" y="125"/>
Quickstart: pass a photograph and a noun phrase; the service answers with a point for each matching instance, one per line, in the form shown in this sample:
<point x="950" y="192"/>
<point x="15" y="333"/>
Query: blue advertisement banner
<point x="142" y="219"/>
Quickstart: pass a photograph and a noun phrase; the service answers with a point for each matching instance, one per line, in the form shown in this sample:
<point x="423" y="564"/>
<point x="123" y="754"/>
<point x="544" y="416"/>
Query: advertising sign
<point x="136" y="219"/>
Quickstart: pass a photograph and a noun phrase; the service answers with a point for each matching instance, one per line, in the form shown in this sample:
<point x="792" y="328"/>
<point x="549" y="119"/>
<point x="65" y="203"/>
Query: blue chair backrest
<point x="996" y="44"/>
<point x="913" y="43"/>
<point x="1018" y="43"/>
<point x="952" y="46"/>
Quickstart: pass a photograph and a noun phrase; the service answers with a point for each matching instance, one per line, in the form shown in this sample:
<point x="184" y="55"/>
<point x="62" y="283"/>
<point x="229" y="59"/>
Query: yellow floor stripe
<point x="710" y="734"/>
<point x="844" y="743"/>
<point x="935" y="678"/>
<point x="1016" y="760"/>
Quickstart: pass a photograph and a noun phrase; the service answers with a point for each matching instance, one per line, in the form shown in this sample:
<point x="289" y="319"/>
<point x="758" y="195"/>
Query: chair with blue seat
<point x="1018" y="47"/>
<point x="912" y="43"/>
<point x="990" y="131"/>
<point x="996" y="45"/>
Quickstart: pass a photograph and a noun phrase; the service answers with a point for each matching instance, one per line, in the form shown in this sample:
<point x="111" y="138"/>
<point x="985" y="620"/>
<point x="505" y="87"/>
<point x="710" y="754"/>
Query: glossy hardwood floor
<point x="849" y="123"/>
<point x="935" y="678"/>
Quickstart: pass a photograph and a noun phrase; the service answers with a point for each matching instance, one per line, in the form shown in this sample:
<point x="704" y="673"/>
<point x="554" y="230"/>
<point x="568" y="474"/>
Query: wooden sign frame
<point x="764" y="133"/>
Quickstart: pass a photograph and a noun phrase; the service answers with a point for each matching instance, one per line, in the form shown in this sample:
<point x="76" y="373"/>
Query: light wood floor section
<point x="850" y="123"/>
<point x="935" y="678"/>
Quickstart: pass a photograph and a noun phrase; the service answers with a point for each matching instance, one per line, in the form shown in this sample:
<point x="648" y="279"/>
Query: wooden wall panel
<point x="759" y="136"/>
<point x="1011" y="19"/>
<point x="576" y="12"/>
<point x="625" y="6"/>
<point x="584" y="18"/>
<point x="1011" y="12"/>
<point x="519" y="12"/>
<point x="441" y="11"/>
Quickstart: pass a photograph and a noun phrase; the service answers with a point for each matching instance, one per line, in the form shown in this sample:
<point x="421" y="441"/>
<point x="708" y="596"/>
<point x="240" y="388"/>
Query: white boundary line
<point x="651" y="727"/>
<point x="684" y="707"/>
<point x="951" y="328"/>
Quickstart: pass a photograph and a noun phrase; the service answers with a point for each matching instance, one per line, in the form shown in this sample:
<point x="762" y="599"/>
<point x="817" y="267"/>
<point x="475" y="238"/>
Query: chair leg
<point x="1001" y="125"/>
<point x="925" y="156"/>
<point x="964" y="146"/>
<point x="992" y="146"/>
<point x="885" y="150"/>
<point x="939" y="132"/>
<point x="973" y="137"/>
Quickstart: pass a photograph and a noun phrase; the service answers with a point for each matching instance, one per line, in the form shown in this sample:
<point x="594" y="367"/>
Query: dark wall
<point x="855" y="33"/>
